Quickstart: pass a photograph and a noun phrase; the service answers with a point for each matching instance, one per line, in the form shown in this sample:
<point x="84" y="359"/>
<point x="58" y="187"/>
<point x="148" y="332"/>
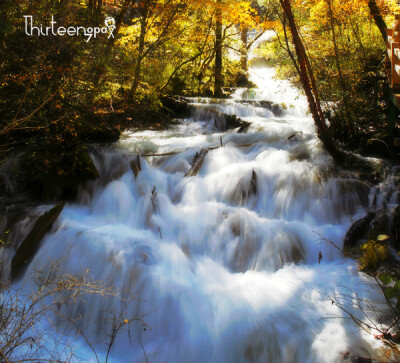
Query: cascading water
<point x="224" y="264"/>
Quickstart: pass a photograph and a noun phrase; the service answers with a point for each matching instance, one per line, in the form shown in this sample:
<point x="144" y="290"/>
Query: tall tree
<point x="110" y="43"/>
<point x="308" y="83"/>
<point x="378" y="18"/>
<point x="342" y="81"/>
<point x="218" y="83"/>
<point x="156" y="20"/>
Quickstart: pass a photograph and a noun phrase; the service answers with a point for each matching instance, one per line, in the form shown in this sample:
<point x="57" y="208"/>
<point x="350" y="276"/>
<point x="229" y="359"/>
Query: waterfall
<point x="224" y="265"/>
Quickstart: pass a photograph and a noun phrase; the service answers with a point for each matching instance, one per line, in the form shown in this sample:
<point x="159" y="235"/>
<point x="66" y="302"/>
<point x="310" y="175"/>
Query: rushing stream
<point x="224" y="265"/>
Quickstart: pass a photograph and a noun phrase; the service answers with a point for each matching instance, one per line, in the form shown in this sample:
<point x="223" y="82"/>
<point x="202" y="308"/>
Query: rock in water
<point x="358" y="229"/>
<point x="29" y="246"/>
<point x="244" y="127"/>
<point x="197" y="163"/>
<point x="136" y="166"/>
<point x="253" y="183"/>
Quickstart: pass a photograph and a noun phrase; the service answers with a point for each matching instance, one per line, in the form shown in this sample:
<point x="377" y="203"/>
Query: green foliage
<point x="373" y="253"/>
<point x="346" y="53"/>
<point x="391" y="287"/>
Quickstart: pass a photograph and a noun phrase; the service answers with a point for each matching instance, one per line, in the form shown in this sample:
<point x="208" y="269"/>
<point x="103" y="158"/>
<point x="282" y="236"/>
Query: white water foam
<point x="224" y="263"/>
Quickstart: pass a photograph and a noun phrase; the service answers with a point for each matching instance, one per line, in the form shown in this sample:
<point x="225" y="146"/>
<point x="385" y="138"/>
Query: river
<point x="226" y="265"/>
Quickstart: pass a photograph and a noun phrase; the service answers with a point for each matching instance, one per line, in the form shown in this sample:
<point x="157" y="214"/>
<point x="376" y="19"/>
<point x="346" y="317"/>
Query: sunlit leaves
<point x="373" y="253"/>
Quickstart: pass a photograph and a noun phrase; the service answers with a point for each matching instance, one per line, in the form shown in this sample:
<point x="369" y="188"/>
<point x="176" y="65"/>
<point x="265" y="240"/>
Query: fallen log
<point x="197" y="163"/>
<point x="180" y="151"/>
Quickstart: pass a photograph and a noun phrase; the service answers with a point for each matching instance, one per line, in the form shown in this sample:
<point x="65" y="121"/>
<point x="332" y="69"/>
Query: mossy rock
<point x="100" y="128"/>
<point x="85" y="170"/>
<point x="56" y="173"/>
<point x="177" y="106"/>
<point x="367" y="170"/>
<point x="380" y="226"/>
<point x="26" y="251"/>
<point x="377" y="148"/>
<point x="358" y="230"/>
<point x="277" y="109"/>
<point x="232" y="121"/>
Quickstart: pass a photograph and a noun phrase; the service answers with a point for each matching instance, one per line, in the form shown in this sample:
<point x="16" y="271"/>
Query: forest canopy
<point x="59" y="91"/>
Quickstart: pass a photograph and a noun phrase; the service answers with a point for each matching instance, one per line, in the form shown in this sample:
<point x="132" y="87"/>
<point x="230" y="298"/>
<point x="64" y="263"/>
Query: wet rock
<point x="379" y="226"/>
<point x="277" y="109"/>
<point x="358" y="230"/>
<point x="55" y="174"/>
<point x="26" y="251"/>
<point x="99" y="131"/>
<point x="295" y="136"/>
<point x="67" y="185"/>
<point x="253" y="183"/>
<point x="244" y="127"/>
<point x="367" y="170"/>
<point x="377" y="148"/>
<point x="177" y="106"/>
<point x="232" y="121"/>
<point x="117" y="172"/>
<point x="396" y="227"/>
<point x="221" y="121"/>
<point x="300" y="152"/>
<point x="198" y="160"/>
<point x="297" y="254"/>
<point x="136" y="165"/>
<point x="10" y="227"/>
<point x="245" y="188"/>
<point x="266" y="104"/>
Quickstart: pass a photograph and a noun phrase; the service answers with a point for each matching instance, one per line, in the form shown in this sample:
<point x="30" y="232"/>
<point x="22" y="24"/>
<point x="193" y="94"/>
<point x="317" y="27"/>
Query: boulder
<point x="176" y="105"/>
<point x="99" y="128"/>
<point x="232" y="121"/>
<point x="379" y="226"/>
<point x="245" y="126"/>
<point x="277" y="109"/>
<point x="26" y="251"/>
<point x="55" y="173"/>
<point x="358" y="230"/>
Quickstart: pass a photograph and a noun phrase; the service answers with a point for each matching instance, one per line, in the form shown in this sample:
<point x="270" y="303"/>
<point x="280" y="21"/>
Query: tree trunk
<point x="287" y="45"/>
<point x="307" y="79"/>
<point x="107" y="51"/>
<point x="138" y="65"/>
<point x="244" y="56"/>
<point x="342" y="82"/>
<point x="91" y="6"/>
<point x="379" y="21"/>
<point x="218" y="55"/>
<point x="99" y="6"/>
